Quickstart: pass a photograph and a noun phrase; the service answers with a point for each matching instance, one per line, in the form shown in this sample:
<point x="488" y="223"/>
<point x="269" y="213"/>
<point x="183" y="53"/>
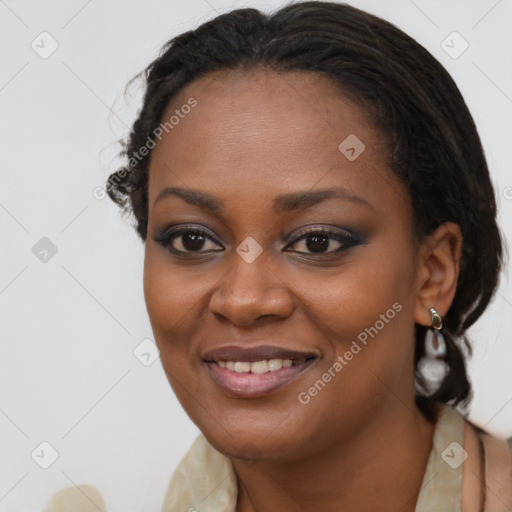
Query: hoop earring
<point x="436" y="320"/>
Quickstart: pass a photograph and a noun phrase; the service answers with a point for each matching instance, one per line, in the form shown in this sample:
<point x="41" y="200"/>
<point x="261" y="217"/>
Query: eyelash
<point x="347" y="239"/>
<point x="166" y="238"/>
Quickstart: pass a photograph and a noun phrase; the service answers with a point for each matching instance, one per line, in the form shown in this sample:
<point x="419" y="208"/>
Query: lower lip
<point x="254" y="385"/>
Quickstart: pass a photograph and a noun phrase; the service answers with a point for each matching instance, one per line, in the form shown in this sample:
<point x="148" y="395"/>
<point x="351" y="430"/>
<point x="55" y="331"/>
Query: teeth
<point x="275" y="364"/>
<point x="242" y="367"/>
<point x="260" y="367"/>
<point x="264" y="366"/>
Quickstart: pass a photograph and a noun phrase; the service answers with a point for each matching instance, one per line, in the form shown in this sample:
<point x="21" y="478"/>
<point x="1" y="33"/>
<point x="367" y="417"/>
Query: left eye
<point x="320" y="241"/>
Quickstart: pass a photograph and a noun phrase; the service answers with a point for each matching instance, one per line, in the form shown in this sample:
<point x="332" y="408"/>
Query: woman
<point x="318" y="217"/>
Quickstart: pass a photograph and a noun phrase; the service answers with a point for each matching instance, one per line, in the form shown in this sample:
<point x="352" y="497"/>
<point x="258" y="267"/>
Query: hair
<point x="434" y="147"/>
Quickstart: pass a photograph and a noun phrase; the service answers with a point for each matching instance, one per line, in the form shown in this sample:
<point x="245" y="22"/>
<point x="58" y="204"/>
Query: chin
<point x="252" y="441"/>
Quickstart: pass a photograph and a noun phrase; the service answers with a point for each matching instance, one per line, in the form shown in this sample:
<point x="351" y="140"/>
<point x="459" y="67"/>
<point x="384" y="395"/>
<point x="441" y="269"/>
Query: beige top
<point x="205" y="480"/>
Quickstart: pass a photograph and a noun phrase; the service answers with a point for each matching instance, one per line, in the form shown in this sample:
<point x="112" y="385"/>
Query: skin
<point x="360" y="443"/>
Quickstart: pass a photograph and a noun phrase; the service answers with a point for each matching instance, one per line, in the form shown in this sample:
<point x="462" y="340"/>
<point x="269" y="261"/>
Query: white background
<point x="69" y="326"/>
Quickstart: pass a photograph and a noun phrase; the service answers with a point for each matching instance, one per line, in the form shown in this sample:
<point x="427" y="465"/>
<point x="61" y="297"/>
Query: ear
<point x="438" y="271"/>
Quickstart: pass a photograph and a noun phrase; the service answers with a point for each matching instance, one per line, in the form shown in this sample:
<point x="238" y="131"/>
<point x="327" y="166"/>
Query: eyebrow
<point x="283" y="203"/>
<point x="193" y="197"/>
<point x="303" y="200"/>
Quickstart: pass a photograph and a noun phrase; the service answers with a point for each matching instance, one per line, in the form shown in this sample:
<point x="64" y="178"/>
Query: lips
<point x="232" y="368"/>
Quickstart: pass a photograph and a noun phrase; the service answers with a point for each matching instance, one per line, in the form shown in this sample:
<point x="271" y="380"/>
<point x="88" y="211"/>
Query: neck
<point x="381" y="467"/>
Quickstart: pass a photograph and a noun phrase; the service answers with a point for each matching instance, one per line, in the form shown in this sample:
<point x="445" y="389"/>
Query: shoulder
<point x="496" y="469"/>
<point x="83" y="498"/>
<point x="494" y="444"/>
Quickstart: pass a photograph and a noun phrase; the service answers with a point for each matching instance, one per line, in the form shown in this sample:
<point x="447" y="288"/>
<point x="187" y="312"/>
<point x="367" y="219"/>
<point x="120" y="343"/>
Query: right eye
<point x="185" y="240"/>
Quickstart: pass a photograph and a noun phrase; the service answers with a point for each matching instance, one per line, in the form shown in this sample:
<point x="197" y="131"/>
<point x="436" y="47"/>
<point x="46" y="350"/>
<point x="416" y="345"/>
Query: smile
<point x="252" y="373"/>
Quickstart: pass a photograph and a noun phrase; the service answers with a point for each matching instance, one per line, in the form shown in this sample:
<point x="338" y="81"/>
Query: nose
<point x="249" y="292"/>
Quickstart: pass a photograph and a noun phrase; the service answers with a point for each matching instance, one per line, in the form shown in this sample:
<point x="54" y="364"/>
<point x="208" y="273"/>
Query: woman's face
<point x="282" y="288"/>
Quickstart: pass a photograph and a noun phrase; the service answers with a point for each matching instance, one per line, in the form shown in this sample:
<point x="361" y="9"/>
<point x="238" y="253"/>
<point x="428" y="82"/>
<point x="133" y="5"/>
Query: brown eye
<point x="188" y="241"/>
<point x="319" y="243"/>
<point x="322" y="241"/>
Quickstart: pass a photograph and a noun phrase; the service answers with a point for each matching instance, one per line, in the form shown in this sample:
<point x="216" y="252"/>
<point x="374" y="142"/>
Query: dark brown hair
<point x="434" y="147"/>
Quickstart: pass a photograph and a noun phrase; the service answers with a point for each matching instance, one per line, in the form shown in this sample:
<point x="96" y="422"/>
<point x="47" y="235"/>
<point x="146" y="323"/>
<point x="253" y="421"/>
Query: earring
<point x="432" y="365"/>
<point x="436" y="320"/>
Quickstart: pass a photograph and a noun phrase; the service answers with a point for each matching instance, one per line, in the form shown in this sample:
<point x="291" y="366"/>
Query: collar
<point x="205" y="479"/>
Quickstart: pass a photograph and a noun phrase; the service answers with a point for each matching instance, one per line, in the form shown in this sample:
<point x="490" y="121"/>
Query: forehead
<point x="260" y="132"/>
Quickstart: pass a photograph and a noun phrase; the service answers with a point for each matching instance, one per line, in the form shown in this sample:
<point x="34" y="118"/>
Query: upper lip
<point x="253" y="354"/>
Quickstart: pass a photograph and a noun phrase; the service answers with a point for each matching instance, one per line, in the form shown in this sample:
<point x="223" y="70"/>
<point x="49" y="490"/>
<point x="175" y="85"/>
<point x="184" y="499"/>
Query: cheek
<point x="368" y="289"/>
<point x="364" y="315"/>
<point x="173" y="298"/>
<point x="364" y="312"/>
<point x="171" y="295"/>
<point x="177" y="300"/>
